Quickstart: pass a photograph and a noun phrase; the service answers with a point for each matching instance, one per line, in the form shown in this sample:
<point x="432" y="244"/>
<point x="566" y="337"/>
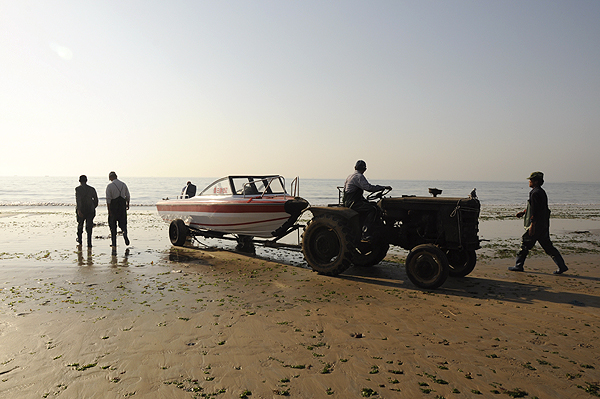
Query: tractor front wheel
<point x="427" y="266"/>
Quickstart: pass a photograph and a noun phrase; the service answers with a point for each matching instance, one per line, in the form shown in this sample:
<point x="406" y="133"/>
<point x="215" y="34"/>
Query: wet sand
<point x="156" y="321"/>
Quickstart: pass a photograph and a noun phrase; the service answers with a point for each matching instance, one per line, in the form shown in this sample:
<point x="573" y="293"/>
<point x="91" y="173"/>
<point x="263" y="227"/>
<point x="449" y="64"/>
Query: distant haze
<point x="421" y="90"/>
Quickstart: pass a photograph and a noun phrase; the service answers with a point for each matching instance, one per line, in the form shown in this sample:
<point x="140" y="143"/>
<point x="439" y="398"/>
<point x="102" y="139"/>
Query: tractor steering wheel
<point x="378" y="194"/>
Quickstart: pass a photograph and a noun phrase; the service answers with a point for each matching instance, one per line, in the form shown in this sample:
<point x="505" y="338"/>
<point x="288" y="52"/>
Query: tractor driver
<point x="354" y="187"/>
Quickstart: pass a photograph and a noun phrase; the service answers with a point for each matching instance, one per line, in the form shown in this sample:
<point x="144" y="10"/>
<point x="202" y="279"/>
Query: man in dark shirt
<point x="188" y="191"/>
<point x="537" y="226"/>
<point x="87" y="201"/>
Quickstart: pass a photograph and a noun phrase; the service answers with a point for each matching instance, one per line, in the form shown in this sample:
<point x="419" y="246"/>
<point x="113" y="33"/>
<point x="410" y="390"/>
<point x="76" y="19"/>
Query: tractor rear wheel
<point x="327" y="245"/>
<point x="427" y="266"/>
<point x="178" y="232"/>
<point x="462" y="262"/>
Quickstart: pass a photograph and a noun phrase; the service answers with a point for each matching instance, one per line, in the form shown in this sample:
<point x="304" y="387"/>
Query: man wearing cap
<point x="87" y="201"/>
<point x="537" y="226"/>
<point x="354" y="187"/>
<point x="117" y="201"/>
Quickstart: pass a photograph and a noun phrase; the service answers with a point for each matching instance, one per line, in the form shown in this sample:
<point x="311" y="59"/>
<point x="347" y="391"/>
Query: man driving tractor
<point x="354" y="187"/>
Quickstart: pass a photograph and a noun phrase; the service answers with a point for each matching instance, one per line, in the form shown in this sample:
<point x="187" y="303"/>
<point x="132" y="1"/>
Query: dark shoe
<point x="516" y="269"/>
<point x="561" y="271"/>
<point x="126" y="240"/>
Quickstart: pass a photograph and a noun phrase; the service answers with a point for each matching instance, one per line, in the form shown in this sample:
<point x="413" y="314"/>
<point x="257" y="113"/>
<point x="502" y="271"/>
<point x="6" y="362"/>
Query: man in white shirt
<point x="117" y="201"/>
<point x="354" y="187"/>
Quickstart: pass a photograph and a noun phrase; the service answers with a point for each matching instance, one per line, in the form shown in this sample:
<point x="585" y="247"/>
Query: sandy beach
<point x="155" y="321"/>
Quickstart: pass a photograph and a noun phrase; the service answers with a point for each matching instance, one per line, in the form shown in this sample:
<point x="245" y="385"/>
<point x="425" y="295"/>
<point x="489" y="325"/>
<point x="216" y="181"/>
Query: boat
<point x="246" y="206"/>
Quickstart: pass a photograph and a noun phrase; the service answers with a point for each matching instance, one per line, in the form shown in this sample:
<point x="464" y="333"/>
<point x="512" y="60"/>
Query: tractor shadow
<point x="496" y="287"/>
<point x="499" y="286"/>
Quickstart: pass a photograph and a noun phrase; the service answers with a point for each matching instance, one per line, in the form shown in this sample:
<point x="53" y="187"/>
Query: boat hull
<point x="257" y="217"/>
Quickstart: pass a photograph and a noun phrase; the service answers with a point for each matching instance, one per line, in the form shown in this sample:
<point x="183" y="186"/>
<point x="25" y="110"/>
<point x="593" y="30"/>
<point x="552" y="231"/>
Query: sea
<point x="36" y="213"/>
<point x="146" y="191"/>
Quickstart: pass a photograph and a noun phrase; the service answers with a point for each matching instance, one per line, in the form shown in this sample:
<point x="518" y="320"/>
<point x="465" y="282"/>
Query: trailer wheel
<point x="365" y="255"/>
<point x="178" y="232"/>
<point x="427" y="266"/>
<point x="461" y="262"/>
<point x="326" y="245"/>
<point x="245" y="244"/>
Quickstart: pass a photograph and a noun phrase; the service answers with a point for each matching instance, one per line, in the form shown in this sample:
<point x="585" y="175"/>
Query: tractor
<point x="441" y="235"/>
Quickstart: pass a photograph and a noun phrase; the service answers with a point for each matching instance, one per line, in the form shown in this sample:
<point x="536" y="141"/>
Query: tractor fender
<point x="339" y="211"/>
<point x="352" y="217"/>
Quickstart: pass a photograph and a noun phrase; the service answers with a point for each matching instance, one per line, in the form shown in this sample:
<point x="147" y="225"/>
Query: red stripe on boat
<point x="222" y="208"/>
<point x="236" y="224"/>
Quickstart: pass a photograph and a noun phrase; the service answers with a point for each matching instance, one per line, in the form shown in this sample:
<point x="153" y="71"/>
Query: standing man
<point x="117" y="201"/>
<point x="87" y="201"/>
<point x="537" y="226"/>
<point x="354" y="187"/>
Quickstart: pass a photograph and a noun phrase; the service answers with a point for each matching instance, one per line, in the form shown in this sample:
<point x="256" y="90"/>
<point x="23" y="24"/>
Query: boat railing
<point x="340" y="195"/>
<point x="295" y="187"/>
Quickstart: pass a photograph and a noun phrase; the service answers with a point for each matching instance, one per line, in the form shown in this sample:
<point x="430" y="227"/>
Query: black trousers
<point x="368" y="216"/>
<point x="88" y="219"/>
<point x="527" y="242"/>
<point x="113" y="221"/>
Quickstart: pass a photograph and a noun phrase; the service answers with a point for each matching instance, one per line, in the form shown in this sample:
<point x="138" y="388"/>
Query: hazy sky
<point x="434" y="90"/>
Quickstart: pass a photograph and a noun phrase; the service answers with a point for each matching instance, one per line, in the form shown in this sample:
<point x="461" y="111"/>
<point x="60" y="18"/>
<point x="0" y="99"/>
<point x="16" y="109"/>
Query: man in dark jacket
<point x="87" y="201"/>
<point x="189" y="190"/>
<point x="537" y="226"/>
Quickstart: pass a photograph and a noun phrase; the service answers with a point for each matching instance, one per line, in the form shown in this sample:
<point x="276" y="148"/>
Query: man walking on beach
<point x="117" y="201"/>
<point x="537" y="226"/>
<point x="354" y="187"/>
<point x="87" y="201"/>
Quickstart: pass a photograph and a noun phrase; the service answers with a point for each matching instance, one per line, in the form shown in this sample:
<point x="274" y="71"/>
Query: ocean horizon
<point x="146" y="191"/>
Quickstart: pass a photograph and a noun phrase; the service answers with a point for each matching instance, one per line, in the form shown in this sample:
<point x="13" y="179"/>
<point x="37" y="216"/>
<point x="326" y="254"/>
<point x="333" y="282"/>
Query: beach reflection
<point x="87" y="261"/>
<point x="114" y="259"/>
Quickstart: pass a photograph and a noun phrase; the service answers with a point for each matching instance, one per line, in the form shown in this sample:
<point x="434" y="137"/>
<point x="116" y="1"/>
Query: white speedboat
<point x="248" y="206"/>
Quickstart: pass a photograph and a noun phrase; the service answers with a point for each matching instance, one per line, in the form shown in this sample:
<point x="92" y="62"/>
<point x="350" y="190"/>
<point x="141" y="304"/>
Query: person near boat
<point x="189" y="190"/>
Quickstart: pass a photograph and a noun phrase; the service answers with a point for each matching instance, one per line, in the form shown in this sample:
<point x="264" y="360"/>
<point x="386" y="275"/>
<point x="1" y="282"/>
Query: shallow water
<point x="43" y="237"/>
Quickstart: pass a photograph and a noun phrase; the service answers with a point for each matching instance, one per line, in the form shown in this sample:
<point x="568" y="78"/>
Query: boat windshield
<point x="257" y="185"/>
<point x="220" y="187"/>
<point x="246" y="185"/>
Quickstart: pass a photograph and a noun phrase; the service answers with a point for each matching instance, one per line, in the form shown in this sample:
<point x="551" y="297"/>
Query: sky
<point x="421" y="90"/>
